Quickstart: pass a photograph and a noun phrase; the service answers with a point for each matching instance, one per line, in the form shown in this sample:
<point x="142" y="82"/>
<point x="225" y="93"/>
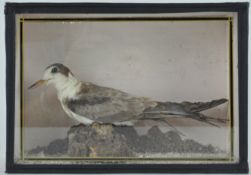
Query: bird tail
<point x="185" y="110"/>
<point x="202" y="106"/>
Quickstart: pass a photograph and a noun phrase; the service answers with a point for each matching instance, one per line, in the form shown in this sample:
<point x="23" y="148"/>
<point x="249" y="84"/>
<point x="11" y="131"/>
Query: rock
<point x="58" y="146"/>
<point x="107" y="140"/>
<point x="97" y="140"/>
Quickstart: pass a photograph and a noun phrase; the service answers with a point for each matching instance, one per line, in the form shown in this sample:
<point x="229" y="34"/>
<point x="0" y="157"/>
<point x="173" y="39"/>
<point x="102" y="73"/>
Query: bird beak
<point x="38" y="83"/>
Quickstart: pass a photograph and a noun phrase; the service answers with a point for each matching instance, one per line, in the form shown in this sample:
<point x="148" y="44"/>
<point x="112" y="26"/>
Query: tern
<point x="90" y="103"/>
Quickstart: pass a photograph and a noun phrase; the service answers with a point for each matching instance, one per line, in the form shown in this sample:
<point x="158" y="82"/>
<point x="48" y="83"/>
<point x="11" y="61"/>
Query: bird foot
<point x="95" y="125"/>
<point x="102" y="129"/>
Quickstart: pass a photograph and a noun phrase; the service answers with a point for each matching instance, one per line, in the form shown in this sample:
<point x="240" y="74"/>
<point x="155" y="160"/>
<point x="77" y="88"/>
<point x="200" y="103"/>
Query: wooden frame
<point x="13" y="9"/>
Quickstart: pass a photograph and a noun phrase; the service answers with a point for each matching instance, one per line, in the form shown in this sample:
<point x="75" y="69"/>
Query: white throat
<point x="66" y="87"/>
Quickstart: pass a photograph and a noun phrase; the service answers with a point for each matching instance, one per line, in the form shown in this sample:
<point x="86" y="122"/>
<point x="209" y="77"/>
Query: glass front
<point x="126" y="88"/>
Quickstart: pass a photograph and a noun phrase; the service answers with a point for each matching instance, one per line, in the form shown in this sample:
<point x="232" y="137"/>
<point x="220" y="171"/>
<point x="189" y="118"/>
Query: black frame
<point x="11" y="9"/>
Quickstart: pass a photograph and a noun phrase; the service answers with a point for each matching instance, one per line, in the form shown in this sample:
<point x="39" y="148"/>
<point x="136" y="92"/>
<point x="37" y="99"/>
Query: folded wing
<point x="107" y="105"/>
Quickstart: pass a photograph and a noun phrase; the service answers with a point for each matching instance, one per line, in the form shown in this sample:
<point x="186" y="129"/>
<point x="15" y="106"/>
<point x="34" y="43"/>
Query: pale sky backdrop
<point x="166" y="61"/>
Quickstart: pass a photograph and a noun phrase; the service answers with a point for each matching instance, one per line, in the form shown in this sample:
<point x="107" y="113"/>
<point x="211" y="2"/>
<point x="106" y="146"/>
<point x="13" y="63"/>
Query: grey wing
<point x="168" y="108"/>
<point x="184" y="108"/>
<point x="107" y="105"/>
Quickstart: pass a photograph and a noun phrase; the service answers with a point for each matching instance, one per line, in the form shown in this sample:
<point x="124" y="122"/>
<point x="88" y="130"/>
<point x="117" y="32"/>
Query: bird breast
<point x="71" y="92"/>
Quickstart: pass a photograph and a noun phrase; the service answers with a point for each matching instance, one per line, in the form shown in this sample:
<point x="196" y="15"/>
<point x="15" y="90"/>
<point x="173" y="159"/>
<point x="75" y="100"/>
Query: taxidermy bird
<point x="89" y="103"/>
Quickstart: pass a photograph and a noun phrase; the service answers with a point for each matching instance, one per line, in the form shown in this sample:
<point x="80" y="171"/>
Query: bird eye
<point x="54" y="70"/>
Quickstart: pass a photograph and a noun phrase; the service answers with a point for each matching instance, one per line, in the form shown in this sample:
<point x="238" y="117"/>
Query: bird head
<point x="54" y="74"/>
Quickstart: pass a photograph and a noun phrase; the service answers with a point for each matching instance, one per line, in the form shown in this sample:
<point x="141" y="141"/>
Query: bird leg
<point x="95" y="125"/>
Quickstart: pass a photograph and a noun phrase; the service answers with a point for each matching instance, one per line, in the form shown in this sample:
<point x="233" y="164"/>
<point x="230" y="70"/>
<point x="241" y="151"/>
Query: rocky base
<point x="106" y="140"/>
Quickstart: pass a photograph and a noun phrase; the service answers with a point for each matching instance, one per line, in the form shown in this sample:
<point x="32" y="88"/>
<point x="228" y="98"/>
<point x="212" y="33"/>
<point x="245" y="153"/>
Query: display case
<point x="126" y="88"/>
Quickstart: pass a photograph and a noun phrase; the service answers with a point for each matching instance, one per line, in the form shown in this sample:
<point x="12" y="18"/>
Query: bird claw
<point x="95" y="125"/>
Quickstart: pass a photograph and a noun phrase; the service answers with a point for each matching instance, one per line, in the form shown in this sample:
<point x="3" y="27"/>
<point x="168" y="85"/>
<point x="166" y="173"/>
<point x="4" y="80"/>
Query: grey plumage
<point x="108" y="105"/>
<point x="88" y="103"/>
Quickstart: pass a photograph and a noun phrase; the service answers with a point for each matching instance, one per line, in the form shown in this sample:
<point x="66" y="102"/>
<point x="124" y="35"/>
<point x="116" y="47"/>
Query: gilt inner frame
<point x="23" y="20"/>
